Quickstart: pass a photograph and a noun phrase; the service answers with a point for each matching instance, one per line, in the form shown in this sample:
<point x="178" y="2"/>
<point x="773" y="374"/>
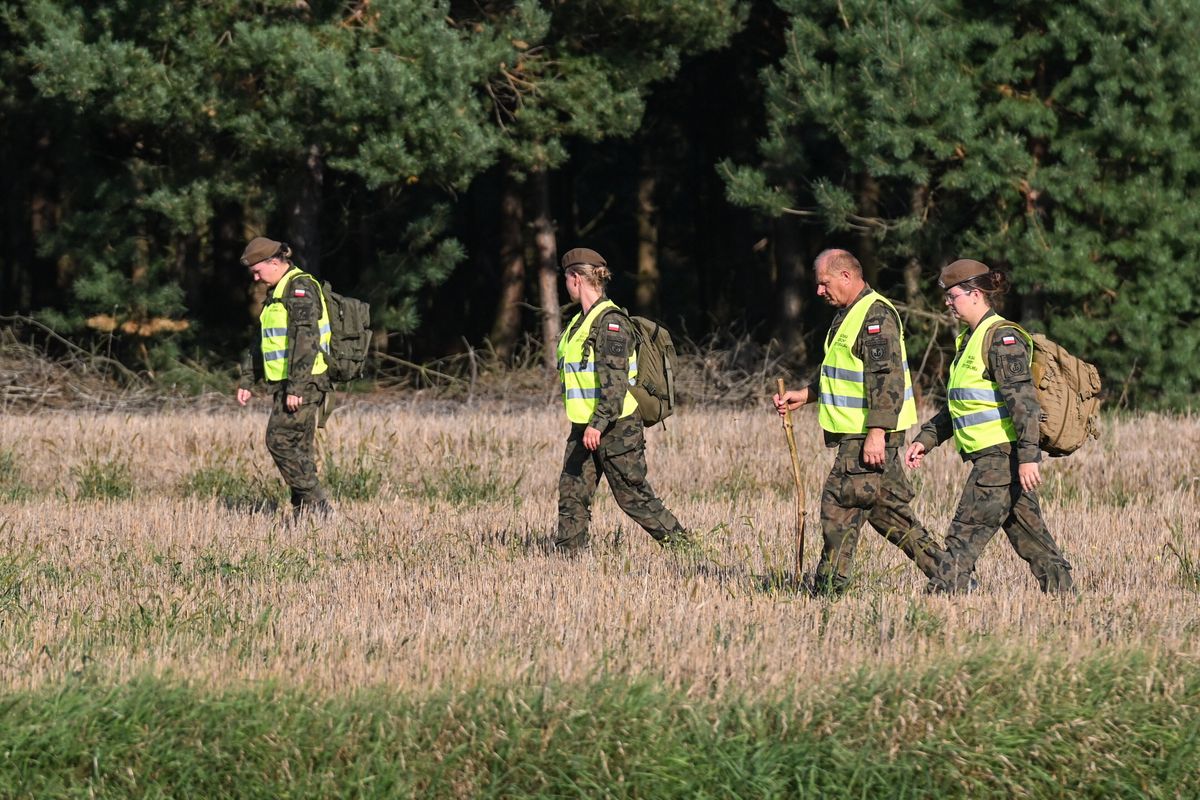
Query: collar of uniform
<point x="841" y="313"/>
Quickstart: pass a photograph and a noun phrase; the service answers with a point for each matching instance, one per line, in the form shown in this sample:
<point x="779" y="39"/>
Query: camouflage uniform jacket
<point x="883" y="368"/>
<point x="304" y="339"/>
<point x="611" y="355"/>
<point x="1008" y="366"/>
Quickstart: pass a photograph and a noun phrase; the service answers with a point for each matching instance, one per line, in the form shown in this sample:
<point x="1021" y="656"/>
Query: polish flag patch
<point x="1008" y="340"/>
<point x="873" y="329"/>
<point x="612" y="326"/>
<point x="298" y="293"/>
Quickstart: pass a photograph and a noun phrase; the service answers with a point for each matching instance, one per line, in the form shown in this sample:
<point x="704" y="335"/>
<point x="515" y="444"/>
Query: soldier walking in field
<point x="865" y="405"/>
<point x="597" y="363"/>
<point x="291" y="357"/>
<point x="992" y="412"/>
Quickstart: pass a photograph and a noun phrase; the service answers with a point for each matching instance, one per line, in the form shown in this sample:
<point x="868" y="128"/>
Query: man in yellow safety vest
<point x="865" y="404"/>
<point x="294" y="335"/>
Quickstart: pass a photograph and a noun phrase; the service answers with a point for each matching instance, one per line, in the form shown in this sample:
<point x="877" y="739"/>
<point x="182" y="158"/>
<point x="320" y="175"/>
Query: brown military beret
<point x="962" y="270"/>
<point x="260" y="249"/>
<point x="582" y="255"/>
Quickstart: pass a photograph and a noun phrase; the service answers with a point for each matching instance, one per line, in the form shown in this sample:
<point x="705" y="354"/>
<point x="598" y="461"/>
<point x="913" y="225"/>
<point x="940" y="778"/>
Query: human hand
<point x="914" y="455"/>
<point x="790" y="401"/>
<point x="874" y="449"/>
<point x="591" y="438"/>
<point x="293" y="402"/>
<point x="243" y="396"/>
<point x="1030" y="476"/>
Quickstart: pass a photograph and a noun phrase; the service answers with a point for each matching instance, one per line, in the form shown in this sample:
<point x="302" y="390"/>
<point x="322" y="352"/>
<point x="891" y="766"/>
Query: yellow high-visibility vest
<point x="274" y="324"/>
<point x="580" y="385"/>
<point x="980" y="415"/>
<point x="842" y="404"/>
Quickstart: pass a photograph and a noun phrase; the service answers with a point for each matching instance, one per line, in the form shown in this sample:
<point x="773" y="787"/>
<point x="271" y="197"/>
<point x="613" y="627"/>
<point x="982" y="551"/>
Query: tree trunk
<point x="912" y="268"/>
<point x="791" y="284"/>
<point x="1033" y="307"/>
<point x="304" y="213"/>
<point x="546" y="240"/>
<point x="647" y="244"/>
<point x="507" y="324"/>
<point x="868" y="205"/>
<point x="228" y="279"/>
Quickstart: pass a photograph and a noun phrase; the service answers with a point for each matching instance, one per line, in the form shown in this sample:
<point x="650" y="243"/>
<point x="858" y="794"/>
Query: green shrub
<point x="103" y="480"/>
<point x="233" y="486"/>
<point x="12" y="485"/>
<point x="462" y="483"/>
<point x="361" y="479"/>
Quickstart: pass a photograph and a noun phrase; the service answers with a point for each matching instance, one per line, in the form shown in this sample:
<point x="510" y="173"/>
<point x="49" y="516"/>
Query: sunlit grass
<point x="143" y="543"/>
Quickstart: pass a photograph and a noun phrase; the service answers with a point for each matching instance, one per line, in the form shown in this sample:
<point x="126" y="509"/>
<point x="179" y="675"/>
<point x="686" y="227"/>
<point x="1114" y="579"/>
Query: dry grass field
<point x="137" y="545"/>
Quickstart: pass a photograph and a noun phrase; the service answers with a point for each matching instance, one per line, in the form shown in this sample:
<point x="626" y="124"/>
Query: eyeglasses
<point x="950" y="298"/>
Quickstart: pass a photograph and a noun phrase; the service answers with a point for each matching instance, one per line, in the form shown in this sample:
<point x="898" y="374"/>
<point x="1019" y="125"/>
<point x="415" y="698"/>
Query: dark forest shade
<point x="432" y="156"/>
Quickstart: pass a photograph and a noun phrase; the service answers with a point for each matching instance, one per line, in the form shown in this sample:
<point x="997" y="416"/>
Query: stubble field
<point x="144" y="581"/>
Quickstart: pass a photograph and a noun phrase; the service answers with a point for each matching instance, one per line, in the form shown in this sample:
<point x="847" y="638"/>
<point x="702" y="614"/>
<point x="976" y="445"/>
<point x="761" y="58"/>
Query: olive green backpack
<point x="350" y="334"/>
<point x="654" y="387"/>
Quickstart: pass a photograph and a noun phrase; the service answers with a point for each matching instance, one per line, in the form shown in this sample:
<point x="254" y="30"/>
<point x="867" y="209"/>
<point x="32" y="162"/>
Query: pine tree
<point x="583" y="73"/>
<point x="1056" y="141"/>
<point x="163" y="117"/>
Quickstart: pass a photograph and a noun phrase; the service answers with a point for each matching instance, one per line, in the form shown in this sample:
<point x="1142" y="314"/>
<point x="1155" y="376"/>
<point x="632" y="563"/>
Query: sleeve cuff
<point x="882" y="419"/>
<point x="925" y="439"/>
<point x="1029" y="454"/>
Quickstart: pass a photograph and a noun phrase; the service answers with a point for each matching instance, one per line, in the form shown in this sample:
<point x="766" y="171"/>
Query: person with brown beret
<point x="294" y="335"/>
<point x="597" y="363"/>
<point x="992" y="413"/>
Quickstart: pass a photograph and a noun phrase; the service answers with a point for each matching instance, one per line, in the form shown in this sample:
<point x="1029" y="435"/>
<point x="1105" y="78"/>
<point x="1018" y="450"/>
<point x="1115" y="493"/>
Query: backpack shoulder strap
<point x="989" y="335"/>
<point x="589" y="344"/>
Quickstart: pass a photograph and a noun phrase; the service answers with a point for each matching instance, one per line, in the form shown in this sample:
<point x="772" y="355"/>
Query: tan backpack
<point x="1068" y="390"/>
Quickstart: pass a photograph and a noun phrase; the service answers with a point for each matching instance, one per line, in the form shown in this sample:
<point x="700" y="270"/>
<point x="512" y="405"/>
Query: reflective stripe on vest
<point x="273" y="322"/>
<point x="843" y="393"/>
<point x="981" y="417"/>
<point x="580" y="386"/>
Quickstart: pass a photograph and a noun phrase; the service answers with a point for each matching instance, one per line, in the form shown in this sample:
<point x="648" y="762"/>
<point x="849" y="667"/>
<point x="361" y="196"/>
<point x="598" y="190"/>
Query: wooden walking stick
<point x="800" y="512"/>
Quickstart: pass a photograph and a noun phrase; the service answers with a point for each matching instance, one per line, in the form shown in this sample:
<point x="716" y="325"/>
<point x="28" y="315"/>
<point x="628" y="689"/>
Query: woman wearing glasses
<point x="992" y="413"/>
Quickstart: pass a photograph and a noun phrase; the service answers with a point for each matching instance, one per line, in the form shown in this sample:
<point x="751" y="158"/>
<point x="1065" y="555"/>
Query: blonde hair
<point x="594" y="275"/>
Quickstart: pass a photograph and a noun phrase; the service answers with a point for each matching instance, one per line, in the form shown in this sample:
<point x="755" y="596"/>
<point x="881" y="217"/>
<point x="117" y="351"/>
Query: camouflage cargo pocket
<point x="859" y="484"/>
<point x="988" y="497"/>
<point x="623" y="437"/>
<point x="630" y="466"/>
<point x="896" y="483"/>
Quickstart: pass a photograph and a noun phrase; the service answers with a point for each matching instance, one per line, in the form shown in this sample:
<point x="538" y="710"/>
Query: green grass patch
<point x="360" y="478"/>
<point x="96" y="479"/>
<point x="997" y="724"/>
<point x="460" y="482"/>
<point x="235" y="486"/>
<point x="12" y="484"/>
<point x="1189" y="562"/>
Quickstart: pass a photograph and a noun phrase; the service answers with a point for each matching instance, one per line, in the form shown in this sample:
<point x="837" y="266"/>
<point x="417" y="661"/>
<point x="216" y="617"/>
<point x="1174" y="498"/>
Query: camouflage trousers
<point x="621" y="458"/>
<point x="992" y="499"/>
<point x="291" y="441"/>
<point x="854" y="493"/>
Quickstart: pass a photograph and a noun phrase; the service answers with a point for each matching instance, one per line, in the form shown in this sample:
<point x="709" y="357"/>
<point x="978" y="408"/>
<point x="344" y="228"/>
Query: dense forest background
<point x="434" y="157"/>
